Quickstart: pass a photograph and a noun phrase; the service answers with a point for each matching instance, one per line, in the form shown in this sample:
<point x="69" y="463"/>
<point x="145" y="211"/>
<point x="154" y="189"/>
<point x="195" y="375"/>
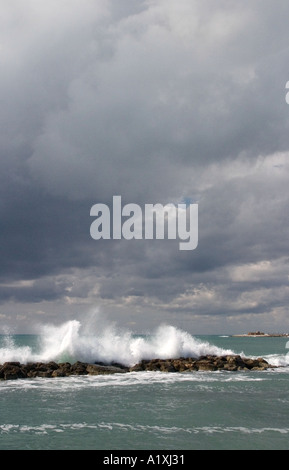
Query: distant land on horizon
<point x="258" y="334"/>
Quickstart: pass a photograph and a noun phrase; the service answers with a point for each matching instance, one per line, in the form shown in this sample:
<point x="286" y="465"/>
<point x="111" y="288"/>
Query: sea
<point x="165" y="412"/>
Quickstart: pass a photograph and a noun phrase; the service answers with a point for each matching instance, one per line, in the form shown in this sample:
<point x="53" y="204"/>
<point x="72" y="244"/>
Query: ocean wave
<point x="102" y="342"/>
<point x="206" y="381"/>
<point x="278" y="360"/>
<point x="71" y="342"/>
<point x="111" y="426"/>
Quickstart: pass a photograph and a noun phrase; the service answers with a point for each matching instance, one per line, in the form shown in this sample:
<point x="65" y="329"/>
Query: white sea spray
<point x="72" y="342"/>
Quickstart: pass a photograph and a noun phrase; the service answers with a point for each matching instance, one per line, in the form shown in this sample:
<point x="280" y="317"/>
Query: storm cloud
<point x="160" y="102"/>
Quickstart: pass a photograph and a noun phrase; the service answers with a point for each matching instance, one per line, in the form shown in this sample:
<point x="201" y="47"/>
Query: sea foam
<point x="72" y="342"/>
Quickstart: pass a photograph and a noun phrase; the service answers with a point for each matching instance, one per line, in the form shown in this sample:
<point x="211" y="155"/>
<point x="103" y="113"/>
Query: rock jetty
<point x="16" y="370"/>
<point x="203" y="363"/>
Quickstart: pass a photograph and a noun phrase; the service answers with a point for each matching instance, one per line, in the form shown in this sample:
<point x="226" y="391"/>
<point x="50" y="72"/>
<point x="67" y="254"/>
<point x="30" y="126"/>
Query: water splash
<point x="10" y="351"/>
<point x="72" y="342"/>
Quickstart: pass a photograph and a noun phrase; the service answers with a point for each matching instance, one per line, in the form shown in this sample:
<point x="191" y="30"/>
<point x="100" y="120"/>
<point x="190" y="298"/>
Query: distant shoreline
<point x="262" y="335"/>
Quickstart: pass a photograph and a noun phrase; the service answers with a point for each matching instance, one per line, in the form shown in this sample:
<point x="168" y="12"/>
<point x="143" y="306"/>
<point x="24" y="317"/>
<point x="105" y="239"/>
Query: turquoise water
<point x="150" y="410"/>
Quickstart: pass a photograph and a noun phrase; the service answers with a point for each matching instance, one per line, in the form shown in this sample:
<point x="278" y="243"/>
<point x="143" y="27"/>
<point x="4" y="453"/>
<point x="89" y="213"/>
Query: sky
<point x="160" y="101"/>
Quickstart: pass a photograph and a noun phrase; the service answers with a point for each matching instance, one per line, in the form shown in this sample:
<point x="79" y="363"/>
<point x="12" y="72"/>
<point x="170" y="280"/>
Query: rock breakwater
<point x="16" y="370"/>
<point x="203" y="363"/>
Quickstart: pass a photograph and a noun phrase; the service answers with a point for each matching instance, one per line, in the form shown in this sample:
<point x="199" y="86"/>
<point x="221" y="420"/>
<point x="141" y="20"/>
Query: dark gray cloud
<point x="156" y="102"/>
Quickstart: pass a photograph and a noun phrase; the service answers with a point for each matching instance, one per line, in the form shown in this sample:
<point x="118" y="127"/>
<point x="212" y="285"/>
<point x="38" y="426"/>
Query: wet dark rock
<point x="97" y="369"/>
<point x="79" y="368"/>
<point x="203" y="363"/>
<point x="230" y="363"/>
<point x="11" y="371"/>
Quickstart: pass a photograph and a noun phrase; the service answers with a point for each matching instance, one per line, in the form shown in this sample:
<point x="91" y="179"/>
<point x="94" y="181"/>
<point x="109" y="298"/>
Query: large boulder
<point x="11" y="371"/>
<point x="97" y="369"/>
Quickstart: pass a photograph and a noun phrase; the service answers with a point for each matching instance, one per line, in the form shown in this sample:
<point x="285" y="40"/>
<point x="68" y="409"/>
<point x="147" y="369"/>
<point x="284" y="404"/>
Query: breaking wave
<point x="73" y="342"/>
